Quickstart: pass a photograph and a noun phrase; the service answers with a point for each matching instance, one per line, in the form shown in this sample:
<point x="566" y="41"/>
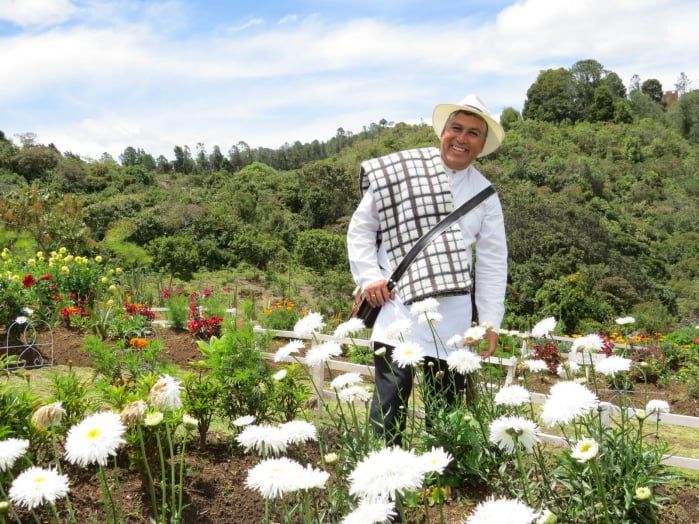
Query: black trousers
<point x="394" y="384"/>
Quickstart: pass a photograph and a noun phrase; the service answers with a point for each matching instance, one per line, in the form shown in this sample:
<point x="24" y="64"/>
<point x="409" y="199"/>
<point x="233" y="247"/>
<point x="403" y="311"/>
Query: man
<point x="404" y="195"/>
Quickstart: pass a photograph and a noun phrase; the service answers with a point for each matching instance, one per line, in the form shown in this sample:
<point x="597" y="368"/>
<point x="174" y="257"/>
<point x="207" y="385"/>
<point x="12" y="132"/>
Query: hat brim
<point x="496" y="133"/>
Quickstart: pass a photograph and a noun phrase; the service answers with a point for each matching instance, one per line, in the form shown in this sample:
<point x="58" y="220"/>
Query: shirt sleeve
<point x="361" y="242"/>
<point x="491" y="266"/>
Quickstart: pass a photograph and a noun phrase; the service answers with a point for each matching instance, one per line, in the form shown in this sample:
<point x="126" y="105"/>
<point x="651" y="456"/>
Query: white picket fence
<point x="510" y="364"/>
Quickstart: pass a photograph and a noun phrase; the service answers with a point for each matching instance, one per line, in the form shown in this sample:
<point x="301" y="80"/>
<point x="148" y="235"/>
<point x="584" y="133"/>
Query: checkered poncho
<point x="413" y="195"/>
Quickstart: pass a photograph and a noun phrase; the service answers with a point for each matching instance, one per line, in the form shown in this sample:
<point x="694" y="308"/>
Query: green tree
<point x="684" y="116"/>
<point x="321" y="251"/>
<point x="653" y="88"/>
<point x="551" y="97"/>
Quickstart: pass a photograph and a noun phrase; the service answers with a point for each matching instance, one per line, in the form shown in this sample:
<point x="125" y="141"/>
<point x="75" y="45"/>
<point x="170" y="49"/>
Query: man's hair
<point x="469" y="113"/>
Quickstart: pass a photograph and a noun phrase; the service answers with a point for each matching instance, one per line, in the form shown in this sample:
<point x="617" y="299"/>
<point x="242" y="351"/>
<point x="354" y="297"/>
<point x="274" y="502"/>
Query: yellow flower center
<point x="93" y="433"/>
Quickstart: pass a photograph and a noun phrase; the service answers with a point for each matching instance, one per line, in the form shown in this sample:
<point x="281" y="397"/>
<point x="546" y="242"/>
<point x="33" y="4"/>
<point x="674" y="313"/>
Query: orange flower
<point x="138" y="343"/>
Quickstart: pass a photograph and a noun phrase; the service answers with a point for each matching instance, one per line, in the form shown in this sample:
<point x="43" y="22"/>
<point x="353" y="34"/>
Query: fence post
<point x="318" y="378"/>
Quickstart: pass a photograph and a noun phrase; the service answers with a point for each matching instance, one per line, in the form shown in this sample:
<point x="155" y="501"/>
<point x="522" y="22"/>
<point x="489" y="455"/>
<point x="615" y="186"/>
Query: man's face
<point x="462" y="141"/>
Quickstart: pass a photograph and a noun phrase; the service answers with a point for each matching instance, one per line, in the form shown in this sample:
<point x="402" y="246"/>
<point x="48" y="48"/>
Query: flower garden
<point x="569" y="440"/>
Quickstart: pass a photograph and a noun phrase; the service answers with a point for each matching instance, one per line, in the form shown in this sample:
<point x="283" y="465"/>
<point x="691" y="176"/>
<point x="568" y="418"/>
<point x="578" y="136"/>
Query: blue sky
<point x="96" y="76"/>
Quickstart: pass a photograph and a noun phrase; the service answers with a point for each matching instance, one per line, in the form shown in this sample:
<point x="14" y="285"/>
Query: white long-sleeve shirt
<point x="483" y="227"/>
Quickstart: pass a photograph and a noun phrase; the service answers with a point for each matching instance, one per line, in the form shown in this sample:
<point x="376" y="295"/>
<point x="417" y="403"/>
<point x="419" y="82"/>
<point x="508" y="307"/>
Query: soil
<point x="215" y="491"/>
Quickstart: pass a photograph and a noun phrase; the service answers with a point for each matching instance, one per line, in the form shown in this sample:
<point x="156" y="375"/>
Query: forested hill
<point x="601" y="214"/>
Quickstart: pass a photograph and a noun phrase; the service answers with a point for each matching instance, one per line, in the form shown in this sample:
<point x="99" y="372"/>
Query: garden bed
<point x="216" y="473"/>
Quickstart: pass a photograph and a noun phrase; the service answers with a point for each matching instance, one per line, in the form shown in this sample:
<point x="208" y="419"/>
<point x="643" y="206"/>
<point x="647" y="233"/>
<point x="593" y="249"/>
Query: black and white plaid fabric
<point x="412" y="196"/>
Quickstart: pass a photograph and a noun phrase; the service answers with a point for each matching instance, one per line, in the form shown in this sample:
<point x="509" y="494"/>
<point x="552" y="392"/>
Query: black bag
<point x="360" y="306"/>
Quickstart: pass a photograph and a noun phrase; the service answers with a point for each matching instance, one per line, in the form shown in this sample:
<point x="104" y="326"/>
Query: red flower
<point x="29" y="280"/>
<point x="46" y="277"/>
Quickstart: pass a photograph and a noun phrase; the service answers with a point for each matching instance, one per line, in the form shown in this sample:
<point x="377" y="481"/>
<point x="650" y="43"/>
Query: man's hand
<point x="492" y="338"/>
<point x="377" y="293"/>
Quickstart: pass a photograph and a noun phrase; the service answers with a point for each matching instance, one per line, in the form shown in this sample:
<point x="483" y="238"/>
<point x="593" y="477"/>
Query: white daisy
<point x="502" y="511"/>
<point x="568" y="369"/>
<point x="398" y="330"/>
<point x="166" y="393"/>
<point x="513" y="395"/>
<point x="457" y="342"/>
<point x="133" y="412"/>
<point x="273" y="478"/>
<point x="585" y="450"/>
<point x="436" y="460"/>
<point x="36" y="486"/>
<point x="612" y="365"/>
<point x="429" y="305"/>
<point x="625" y="320"/>
<point x="245" y="420"/>
<point x="376" y="512"/>
<point x="510" y="432"/>
<point x="353" y="393"/>
<point x="263" y="438"/>
<point x="386" y="474"/>
<point x="657" y="406"/>
<point x="536" y="365"/>
<point x="430" y="318"/>
<point x="48" y="415"/>
<point x="288" y="349"/>
<point x="95" y="439"/>
<point x="408" y="354"/>
<point x="464" y="361"/>
<point x="309" y="325"/>
<point x="280" y="375"/>
<point x="346" y="379"/>
<point x="544" y="327"/>
<point x="566" y="401"/>
<point x="349" y="328"/>
<point x="474" y="335"/>
<point x="153" y="418"/>
<point x="10" y="450"/>
<point x="321" y="353"/>
<point x="299" y="431"/>
<point x="592" y="343"/>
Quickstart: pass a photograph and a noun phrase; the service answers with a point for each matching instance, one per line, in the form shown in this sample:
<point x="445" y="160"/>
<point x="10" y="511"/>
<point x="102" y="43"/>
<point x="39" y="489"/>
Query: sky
<point x="97" y="76"/>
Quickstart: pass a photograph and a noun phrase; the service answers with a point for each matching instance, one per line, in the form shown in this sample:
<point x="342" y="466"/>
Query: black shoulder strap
<point x="436" y="230"/>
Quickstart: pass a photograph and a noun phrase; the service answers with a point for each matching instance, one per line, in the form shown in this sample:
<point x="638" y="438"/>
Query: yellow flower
<point x="40" y="255"/>
<point x="104" y="280"/>
<point x="112" y="288"/>
<point x="98" y="259"/>
<point x="31" y="262"/>
<point x="110" y="303"/>
<point x="118" y="271"/>
<point x="643" y="493"/>
<point x="65" y="270"/>
<point x="62" y="250"/>
<point x="15" y="278"/>
<point x="68" y="259"/>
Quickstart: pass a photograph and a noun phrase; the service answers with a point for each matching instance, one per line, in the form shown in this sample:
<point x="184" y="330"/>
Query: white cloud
<point x="39" y="13"/>
<point x="116" y="79"/>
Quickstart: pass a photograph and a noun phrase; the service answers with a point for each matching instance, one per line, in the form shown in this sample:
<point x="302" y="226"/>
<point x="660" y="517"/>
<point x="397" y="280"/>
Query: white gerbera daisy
<point x="592" y="343"/>
<point x="288" y="349"/>
<point x="625" y="320"/>
<point x="508" y="433"/>
<point x="166" y="393"/>
<point x="348" y="328"/>
<point x="376" y="512"/>
<point x="430" y="318"/>
<point x="321" y="353"/>
<point x="544" y="327"/>
<point x="612" y="365"/>
<point x="567" y="400"/>
<point x="408" y="354"/>
<point x="95" y="439"/>
<point x="514" y="395"/>
<point x="585" y="450"/>
<point x="346" y="379"/>
<point x="435" y="460"/>
<point x="153" y="418"/>
<point x="36" y="486"/>
<point x="510" y="511"/>
<point x="312" y="478"/>
<point x="464" y="361"/>
<point x="567" y="369"/>
<point x="386" y="474"/>
<point x="309" y="325"/>
<point x="299" y="431"/>
<point x="12" y="449"/>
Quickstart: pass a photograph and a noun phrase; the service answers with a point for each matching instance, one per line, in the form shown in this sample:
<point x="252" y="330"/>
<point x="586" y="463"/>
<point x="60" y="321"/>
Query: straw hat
<point x="472" y="104"/>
